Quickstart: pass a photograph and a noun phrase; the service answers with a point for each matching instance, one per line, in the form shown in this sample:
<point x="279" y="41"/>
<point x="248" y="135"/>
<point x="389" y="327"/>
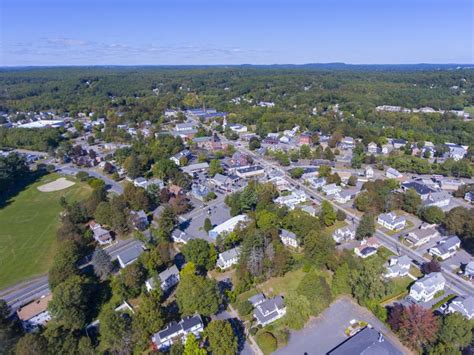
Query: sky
<point x="187" y="32"/>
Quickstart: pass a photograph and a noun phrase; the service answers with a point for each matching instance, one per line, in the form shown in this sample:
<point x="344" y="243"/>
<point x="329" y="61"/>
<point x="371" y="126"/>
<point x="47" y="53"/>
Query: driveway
<point x="325" y="332"/>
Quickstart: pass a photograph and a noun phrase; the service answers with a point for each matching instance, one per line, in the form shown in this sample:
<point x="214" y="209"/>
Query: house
<point x="266" y="104"/>
<point x="257" y="299"/>
<point x="367" y="247"/>
<point x="421" y="189"/>
<point x="195" y="168"/>
<point x="35" y="314"/>
<point x="438" y="199"/>
<point x="369" y="172"/>
<point x="421" y="236"/>
<point x="180" y="236"/>
<point x="391" y="221"/>
<point x="223" y="181"/>
<point x="446" y="247"/>
<point x="296" y="197"/>
<point x="237" y="128"/>
<point x="469" y="270"/>
<point x="100" y="235"/>
<point x="309" y="210"/>
<point x="367" y="341"/>
<point x="386" y="149"/>
<point x="251" y="171"/>
<point x="288" y="238"/>
<point x="318" y="183"/>
<point x="344" y="234"/>
<point x="185" y="127"/>
<point x="305" y="139"/>
<point x="372" y="148"/>
<point x="199" y="191"/>
<point x="141" y="182"/>
<point x="347" y="143"/>
<point x="228" y="226"/>
<point x="228" y="258"/>
<point x="398" y="267"/>
<point x="399" y="143"/>
<point x="168" y="279"/>
<point x="456" y="151"/>
<point x="391" y="173"/>
<point x="424" y="289"/>
<point x="331" y="189"/>
<point x="450" y="184"/>
<point x="178" y="158"/>
<point x="269" y="311"/>
<point x="344" y="196"/>
<point x="469" y="196"/>
<point x="139" y="220"/>
<point x="163" y="339"/>
<point x="463" y="305"/>
<point x="129" y="255"/>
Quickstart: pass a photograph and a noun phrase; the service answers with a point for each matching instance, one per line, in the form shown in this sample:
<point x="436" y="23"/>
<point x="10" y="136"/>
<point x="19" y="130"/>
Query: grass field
<point x="29" y="221"/>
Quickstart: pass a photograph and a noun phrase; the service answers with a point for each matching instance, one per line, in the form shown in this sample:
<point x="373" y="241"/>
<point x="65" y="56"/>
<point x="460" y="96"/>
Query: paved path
<point x="114" y="186"/>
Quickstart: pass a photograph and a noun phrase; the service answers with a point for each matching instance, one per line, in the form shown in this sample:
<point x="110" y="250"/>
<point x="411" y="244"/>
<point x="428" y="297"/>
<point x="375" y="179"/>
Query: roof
<point x="257" y="299"/>
<point x="267" y="310"/>
<point x="446" y="244"/>
<point x="391" y="218"/>
<point x="429" y="281"/>
<point x="34" y="308"/>
<point x="287" y="234"/>
<point x="230" y="223"/>
<point x="230" y="254"/>
<point x="366" y="342"/>
<point x="463" y="305"/>
<point x="165" y="275"/>
<point x="421" y="189"/>
<point x="130" y="254"/>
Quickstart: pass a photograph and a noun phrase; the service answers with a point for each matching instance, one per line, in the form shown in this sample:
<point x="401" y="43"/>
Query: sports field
<point x="28" y="225"/>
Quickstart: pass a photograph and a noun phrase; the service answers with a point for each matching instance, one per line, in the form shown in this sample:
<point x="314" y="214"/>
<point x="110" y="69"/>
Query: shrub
<point x="244" y="307"/>
<point x="267" y="342"/>
<point x="82" y="176"/>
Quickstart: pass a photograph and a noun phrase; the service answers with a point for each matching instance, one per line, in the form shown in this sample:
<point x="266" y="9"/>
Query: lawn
<point x="469" y="109"/>
<point x="28" y="223"/>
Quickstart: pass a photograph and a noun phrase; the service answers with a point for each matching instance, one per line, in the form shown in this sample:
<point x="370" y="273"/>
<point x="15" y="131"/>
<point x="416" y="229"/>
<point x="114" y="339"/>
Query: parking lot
<point x="326" y="332"/>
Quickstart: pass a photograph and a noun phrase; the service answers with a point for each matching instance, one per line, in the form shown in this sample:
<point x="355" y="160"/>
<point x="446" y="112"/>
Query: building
<point x="140" y="182"/>
<point x="421" y="236"/>
<point x="35" y="314"/>
<point x="391" y="173"/>
<point x="469" y="196"/>
<point x="463" y="305"/>
<point x="309" y="210"/>
<point x="446" y="248"/>
<point x="439" y="199"/>
<point x="450" y="184"/>
<point x="139" y="220"/>
<point x="421" y="189"/>
<point x="367" y="341"/>
<point x="425" y="288"/>
<point x="456" y="151"/>
<point x="168" y="279"/>
<point x="224" y="181"/>
<point x="180" y="236"/>
<point x="228" y="258"/>
<point x="237" y="128"/>
<point x="318" y="183"/>
<point x="344" y="234"/>
<point x="195" y="168"/>
<point x="367" y="247"/>
<point x="305" y="139"/>
<point x="344" y="196"/>
<point x="185" y="127"/>
<point x="100" y="235"/>
<point x="469" y="270"/>
<point x="369" y="172"/>
<point x="178" y="158"/>
<point x="372" y="148"/>
<point x="251" y="171"/>
<point x="173" y="332"/>
<point x="399" y="143"/>
<point x="398" y="267"/>
<point x="199" y="191"/>
<point x="331" y="189"/>
<point x="257" y="299"/>
<point x="269" y="311"/>
<point x="292" y="200"/>
<point x="289" y="238"/>
<point x="227" y="226"/>
<point x="391" y="221"/>
<point x="130" y="255"/>
<point x="347" y="143"/>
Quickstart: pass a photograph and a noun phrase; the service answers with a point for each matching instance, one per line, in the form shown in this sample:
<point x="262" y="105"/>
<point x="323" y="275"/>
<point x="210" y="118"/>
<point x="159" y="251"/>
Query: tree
<point x="201" y="253"/>
<point x="221" y="337"/>
<point x="298" y="310"/>
<point x="352" y="180"/>
<point x="324" y="171"/>
<point x="191" y="347"/>
<point x="366" y="227"/>
<point x="431" y="266"/>
<point x="70" y="303"/>
<point x="215" y="167"/>
<point x="197" y="294"/>
<point x="340" y="215"/>
<point x="31" y="344"/>
<point x="411" y="201"/>
<point x="319" y="248"/>
<point x="102" y="263"/>
<point x="316" y="290"/>
<point x="244" y="307"/>
<point x="394" y="316"/>
<point x="296" y="173"/>
<point x="207" y="225"/>
<point x="363" y="201"/>
<point x="367" y="284"/>
<point x="267" y="342"/>
<point x="456" y="331"/>
<point x="341" y="281"/>
<point x="328" y="215"/>
<point x="418" y="326"/>
<point x="432" y="214"/>
<point x="10" y="329"/>
<point x="254" y="143"/>
<point x="129" y="283"/>
<point x="115" y="332"/>
<point x="64" y="263"/>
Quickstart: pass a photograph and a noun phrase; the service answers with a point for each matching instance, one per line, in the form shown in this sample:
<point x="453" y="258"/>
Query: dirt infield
<point x="59" y="184"/>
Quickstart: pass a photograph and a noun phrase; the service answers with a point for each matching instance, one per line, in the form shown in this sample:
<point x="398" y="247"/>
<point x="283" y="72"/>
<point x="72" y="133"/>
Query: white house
<point x="227" y="226"/>
<point x="163" y="339"/>
<point x="288" y="238"/>
<point x="228" y="258"/>
<point x="35" y="314"/>
<point x="372" y="148"/>
<point x="129" y="255"/>
<point x="101" y="235"/>
<point x="344" y="196"/>
<point x="237" y="128"/>
<point x="398" y="267"/>
<point x="269" y="311"/>
<point x="318" y="183"/>
<point x="439" y="199"/>
<point x="392" y="173"/>
<point x="369" y="172"/>
<point x="421" y="236"/>
<point x="469" y="269"/>
<point x="296" y="197"/>
<point x="344" y="234"/>
<point x="469" y="196"/>
<point x="446" y="247"/>
<point x="331" y="189"/>
<point x="168" y="279"/>
<point x="462" y="305"/>
<point x="424" y="289"/>
<point x="391" y="221"/>
<point x="177" y="158"/>
<point x="367" y="247"/>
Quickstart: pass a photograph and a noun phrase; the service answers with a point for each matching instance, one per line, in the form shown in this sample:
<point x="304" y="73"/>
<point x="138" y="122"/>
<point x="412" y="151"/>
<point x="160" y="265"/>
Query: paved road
<point x="21" y="294"/>
<point x="113" y="186"/>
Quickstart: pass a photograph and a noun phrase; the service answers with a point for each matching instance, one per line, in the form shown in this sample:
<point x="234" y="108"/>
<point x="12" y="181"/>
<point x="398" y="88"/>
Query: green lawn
<point x="469" y="109"/>
<point x="28" y="230"/>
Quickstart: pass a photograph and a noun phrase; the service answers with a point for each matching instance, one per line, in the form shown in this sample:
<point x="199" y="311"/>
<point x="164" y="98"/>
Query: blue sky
<point x="130" y="32"/>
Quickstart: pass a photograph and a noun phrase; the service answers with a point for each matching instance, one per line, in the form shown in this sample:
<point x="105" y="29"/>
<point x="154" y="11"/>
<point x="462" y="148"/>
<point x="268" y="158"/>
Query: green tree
<point x="352" y="180"/>
<point x="316" y="290"/>
<point x="319" y="248"/>
<point x="9" y="329"/>
<point x="328" y="215"/>
<point x="197" y="294"/>
<point x="201" y="253"/>
<point x="432" y="214"/>
<point x="455" y="331"/>
<point x="366" y="227"/>
<point x="31" y="344"/>
<point x="411" y="201"/>
<point x="215" y="167"/>
<point x="367" y="284"/>
<point x="191" y="347"/>
<point x="267" y="341"/>
<point x="102" y="263"/>
<point x="221" y="337"/>
<point x="64" y="263"/>
<point x="305" y="151"/>
<point x="266" y="219"/>
<point x="296" y="173"/>
<point x="115" y="331"/>
<point x="207" y="225"/>
<point x="341" y="281"/>
<point x="298" y="311"/>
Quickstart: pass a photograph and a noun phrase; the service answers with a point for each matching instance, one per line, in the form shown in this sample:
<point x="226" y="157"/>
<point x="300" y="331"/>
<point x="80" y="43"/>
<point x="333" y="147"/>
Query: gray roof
<point x="421" y="189"/>
<point x="446" y="244"/>
<point x="429" y="281"/>
<point x="463" y="305"/>
<point x="171" y="271"/>
<point x="287" y="234"/>
<point x="131" y="254"/>
<point x="267" y="310"/>
<point x="438" y="196"/>
<point x="391" y="218"/>
<point x="366" y="342"/>
<point x="257" y="299"/>
<point x="230" y="254"/>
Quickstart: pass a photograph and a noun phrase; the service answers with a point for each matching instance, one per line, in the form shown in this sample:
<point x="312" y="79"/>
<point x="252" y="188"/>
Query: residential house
<point x="372" y="148"/>
<point x="228" y="258"/>
<point x="195" y="168"/>
<point x="421" y="236"/>
<point x="450" y="184"/>
<point x="367" y="247"/>
<point x="344" y="234"/>
<point x="269" y="311"/>
<point x="168" y="279"/>
<point x="185" y="127"/>
<point x="456" y="151"/>
<point x="180" y="236"/>
<point x="439" y="199"/>
<point x="228" y="226"/>
<point x="367" y="341"/>
<point x="35" y="314"/>
<point x="237" y="128"/>
<point x="223" y="181"/>
<point x="347" y="143"/>
<point x="392" y="173"/>
<point x="140" y="182"/>
<point x="386" y="149"/>
<point x="469" y="270"/>
<point x="311" y="210"/>
<point x="257" y="299"/>
<point x="399" y="143"/>
<point x="288" y="238"/>
<point x="163" y="339"/>
<point x="331" y="189"/>
<point x="446" y="247"/>
<point x="318" y="183"/>
<point x="305" y="139"/>
<point x="100" y="235"/>
<point x="391" y="221"/>
<point x="129" y="255"/>
<point x="369" y="172"/>
<point x="139" y="220"/>
<point x="344" y="196"/>
<point x="178" y="158"/>
<point x="398" y="267"/>
<point x="421" y="189"/>
<point x="469" y="196"/>
<point x="199" y="191"/>
<point x="296" y="197"/>
<point x="424" y="289"/>
<point x="463" y="305"/>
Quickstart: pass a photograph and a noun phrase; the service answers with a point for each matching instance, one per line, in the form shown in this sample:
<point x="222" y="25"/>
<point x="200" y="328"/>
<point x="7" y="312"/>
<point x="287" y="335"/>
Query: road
<point x="21" y="294"/>
<point x="113" y="186"/>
